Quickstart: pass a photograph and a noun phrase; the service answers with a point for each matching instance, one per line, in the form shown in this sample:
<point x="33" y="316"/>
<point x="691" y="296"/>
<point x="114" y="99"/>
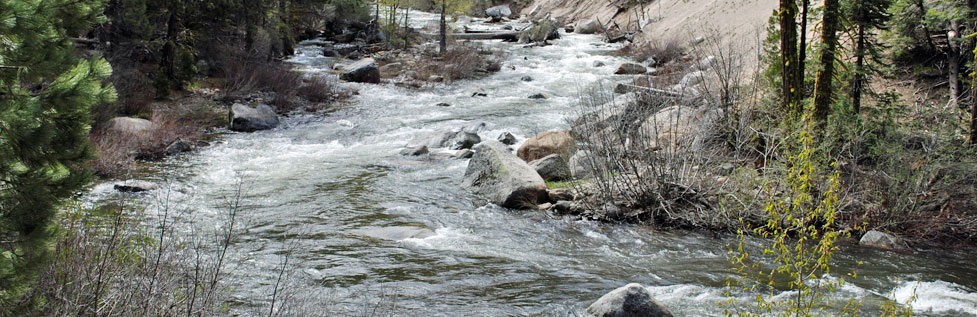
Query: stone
<point x="630" y="69"/>
<point x="526" y="78"/>
<point x="247" y="119"/>
<point x="496" y="174"/>
<point x="632" y="300"/>
<point x="599" y="64"/>
<point x="129" y="125"/>
<point x="544" y="206"/>
<point x="726" y="168"/>
<point x="537" y="96"/>
<point x="679" y="127"/>
<point x="464" y="140"/>
<point x="560" y="194"/>
<point x="177" y="147"/>
<point x="498" y="12"/>
<point x="435" y="139"/>
<point x="882" y="240"/>
<point x="546" y="143"/>
<point x="693" y="78"/>
<point x="586" y="27"/>
<point x="479" y="93"/>
<point x="435" y="79"/>
<point x="569" y="28"/>
<point x="581" y="164"/>
<point x="535" y="10"/>
<point x="465" y="154"/>
<point x="706" y="63"/>
<point x="391" y="70"/>
<point x="443" y="104"/>
<point x="553" y="167"/>
<point x="415" y="151"/>
<point x="134" y="186"/>
<point x="563" y="206"/>
<point x="507" y="138"/>
<point x="361" y="71"/>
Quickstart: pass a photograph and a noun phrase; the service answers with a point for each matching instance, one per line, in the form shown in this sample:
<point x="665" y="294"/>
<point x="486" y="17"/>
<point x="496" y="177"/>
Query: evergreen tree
<point x="866" y="17"/>
<point x="45" y="97"/>
<point x="792" y="77"/>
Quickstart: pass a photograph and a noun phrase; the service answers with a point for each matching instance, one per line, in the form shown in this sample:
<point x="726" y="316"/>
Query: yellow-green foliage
<point x="800" y="237"/>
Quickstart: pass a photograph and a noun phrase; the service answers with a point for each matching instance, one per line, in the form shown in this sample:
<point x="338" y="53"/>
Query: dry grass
<point x="461" y="61"/>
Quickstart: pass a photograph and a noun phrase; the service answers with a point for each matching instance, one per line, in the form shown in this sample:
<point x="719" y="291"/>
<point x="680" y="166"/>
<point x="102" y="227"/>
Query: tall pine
<point x="45" y="96"/>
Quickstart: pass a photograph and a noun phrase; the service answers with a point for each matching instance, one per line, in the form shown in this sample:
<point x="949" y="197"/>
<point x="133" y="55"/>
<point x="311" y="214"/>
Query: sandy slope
<point x="739" y="22"/>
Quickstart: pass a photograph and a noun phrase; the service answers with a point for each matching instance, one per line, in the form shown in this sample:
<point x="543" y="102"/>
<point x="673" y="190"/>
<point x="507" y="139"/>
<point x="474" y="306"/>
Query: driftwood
<point x="624" y="88"/>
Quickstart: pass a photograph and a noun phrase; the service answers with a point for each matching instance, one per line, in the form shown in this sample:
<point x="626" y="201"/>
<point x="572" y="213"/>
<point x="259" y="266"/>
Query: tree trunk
<point x="823" y="87"/>
<point x="802" y="48"/>
<point x="856" y="94"/>
<point x="953" y="63"/>
<point x="406" y="29"/>
<point x="972" y="4"/>
<point x="792" y="83"/>
<point x="444" y="28"/>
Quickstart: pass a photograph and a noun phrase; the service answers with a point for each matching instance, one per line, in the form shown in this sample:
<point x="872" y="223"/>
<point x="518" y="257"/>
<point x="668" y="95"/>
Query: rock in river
<point x="630" y="69"/>
<point x="586" y="27"/>
<point x="553" y="167"/>
<point x="134" y="186"/>
<point x="464" y="140"/>
<point x="546" y="143"/>
<point x="881" y="240"/>
<point x="130" y="125"/>
<point x="496" y="174"/>
<point x="361" y="71"/>
<point x="247" y="119"/>
<point x="631" y="300"/>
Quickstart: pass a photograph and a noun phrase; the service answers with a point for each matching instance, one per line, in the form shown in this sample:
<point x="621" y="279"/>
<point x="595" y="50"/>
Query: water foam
<point x="938" y="297"/>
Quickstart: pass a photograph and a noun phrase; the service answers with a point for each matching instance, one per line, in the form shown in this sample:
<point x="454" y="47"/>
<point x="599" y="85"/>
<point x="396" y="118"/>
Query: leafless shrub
<point x="461" y="61"/>
<point x="662" y="50"/>
<point x="321" y="89"/>
<point x="121" y="260"/>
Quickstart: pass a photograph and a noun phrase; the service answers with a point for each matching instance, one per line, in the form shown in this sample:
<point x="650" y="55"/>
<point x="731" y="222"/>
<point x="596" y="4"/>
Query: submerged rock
<point x="134" y="186"/>
<point x="537" y="96"/>
<point x="586" y="27"/>
<point x="882" y="240"/>
<point x="507" y="138"/>
<point x="361" y="71"/>
<point x="464" y="140"/>
<point x="247" y="119"/>
<point x="546" y="143"/>
<point x="415" y="151"/>
<point x="177" y="147"/>
<point x="496" y="174"/>
<point x="631" y="300"/>
<point x="464" y="154"/>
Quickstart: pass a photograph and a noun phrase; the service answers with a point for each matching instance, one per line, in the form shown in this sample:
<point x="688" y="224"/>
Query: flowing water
<point x="367" y="225"/>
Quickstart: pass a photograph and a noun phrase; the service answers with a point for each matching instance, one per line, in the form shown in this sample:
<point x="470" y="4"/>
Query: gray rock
<point x="130" y="125"/>
<point x="499" y="11"/>
<point x="693" y="78"/>
<point x="727" y="168"/>
<point x="465" y="154"/>
<point x="569" y="28"/>
<point x="507" y="138"/>
<point x="563" y="206"/>
<point x="391" y="70"/>
<point x="586" y="27"/>
<point x="706" y="63"/>
<point x="177" y="147"/>
<point x="247" y="119"/>
<point x="134" y="186"/>
<point x="630" y="69"/>
<point x="599" y="64"/>
<point x="537" y="96"/>
<point x="479" y="93"/>
<point x="581" y="164"/>
<point x="631" y="300"/>
<point x="526" y="78"/>
<point x="415" y="151"/>
<point x="475" y="128"/>
<point x="560" y="194"/>
<point x="881" y="240"/>
<point x="436" y="139"/>
<point x="464" y="140"/>
<point x="499" y="176"/>
<point x="544" y="206"/>
<point x="443" y="104"/>
<point x="435" y="79"/>
<point x="361" y="71"/>
<point x="553" y="167"/>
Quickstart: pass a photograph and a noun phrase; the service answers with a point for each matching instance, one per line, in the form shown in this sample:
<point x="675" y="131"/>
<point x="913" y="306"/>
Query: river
<point x="366" y="225"/>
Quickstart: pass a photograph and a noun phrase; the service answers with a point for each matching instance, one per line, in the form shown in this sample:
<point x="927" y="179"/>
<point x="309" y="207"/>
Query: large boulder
<point x="581" y="164"/>
<point x="632" y="300"/>
<point x="553" y="167"/>
<point x="129" y="125"/>
<point x="680" y="127"/>
<point x="630" y="69"/>
<point x="693" y="78"/>
<point x="502" y="178"/>
<point x="498" y="12"/>
<point x="361" y="71"/>
<point x="247" y="119"/>
<point x="546" y="143"/>
<point x="586" y="27"/>
<point x="452" y="139"/>
<point x="882" y="240"/>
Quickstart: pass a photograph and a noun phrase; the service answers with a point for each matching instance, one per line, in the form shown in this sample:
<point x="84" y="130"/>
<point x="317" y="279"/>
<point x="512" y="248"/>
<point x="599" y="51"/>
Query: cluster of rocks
<point x="682" y="77"/>
<point x="350" y="38"/>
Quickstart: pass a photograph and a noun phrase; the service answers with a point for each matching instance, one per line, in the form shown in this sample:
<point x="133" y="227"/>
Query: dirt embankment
<point x="740" y="22"/>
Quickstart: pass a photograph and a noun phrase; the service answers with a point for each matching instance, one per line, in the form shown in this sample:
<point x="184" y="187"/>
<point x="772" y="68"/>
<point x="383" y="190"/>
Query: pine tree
<point x="45" y="97"/>
<point x="866" y="17"/>
<point x="792" y="75"/>
<point x="823" y="87"/>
